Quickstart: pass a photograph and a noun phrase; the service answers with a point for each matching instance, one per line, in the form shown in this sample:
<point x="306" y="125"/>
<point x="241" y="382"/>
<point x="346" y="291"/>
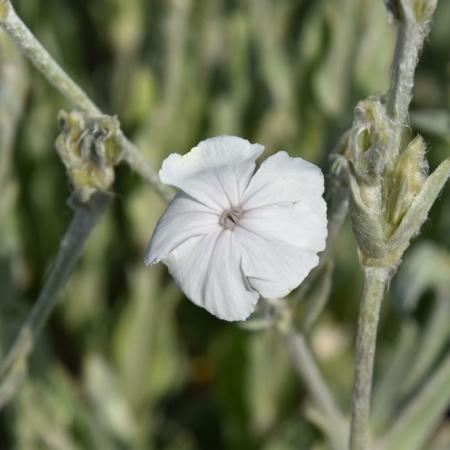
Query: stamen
<point x="230" y="218"/>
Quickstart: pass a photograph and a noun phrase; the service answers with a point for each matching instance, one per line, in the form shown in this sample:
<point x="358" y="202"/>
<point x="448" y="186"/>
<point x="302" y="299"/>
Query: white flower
<point x="231" y="235"/>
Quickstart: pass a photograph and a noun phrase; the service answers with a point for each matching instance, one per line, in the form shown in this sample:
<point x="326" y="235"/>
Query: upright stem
<point x="409" y="44"/>
<point x="412" y="19"/>
<point x="413" y="24"/>
<point x="306" y="367"/>
<point x="376" y="280"/>
<point x="85" y="218"/>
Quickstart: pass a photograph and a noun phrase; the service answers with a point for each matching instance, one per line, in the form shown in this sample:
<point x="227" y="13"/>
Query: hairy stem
<point x="376" y="280"/>
<point x="306" y="367"/>
<point x="409" y="44"/>
<point x="413" y="19"/>
<point x="85" y="218"/>
<point x="31" y="48"/>
<point x="412" y="28"/>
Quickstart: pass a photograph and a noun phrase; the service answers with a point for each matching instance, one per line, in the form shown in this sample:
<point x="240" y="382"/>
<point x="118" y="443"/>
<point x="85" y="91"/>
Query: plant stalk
<point x="84" y="220"/>
<point x="412" y="29"/>
<point x="409" y="44"/>
<point x="306" y="367"/>
<point x="376" y="280"/>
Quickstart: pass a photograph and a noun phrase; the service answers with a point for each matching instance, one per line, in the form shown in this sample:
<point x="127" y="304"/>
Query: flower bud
<point x="404" y="182"/>
<point x="418" y="11"/>
<point x="89" y="147"/>
<point x="369" y="138"/>
<point x="366" y="219"/>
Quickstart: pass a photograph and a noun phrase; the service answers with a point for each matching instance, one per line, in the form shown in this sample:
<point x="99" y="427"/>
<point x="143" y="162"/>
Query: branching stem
<point x="413" y="20"/>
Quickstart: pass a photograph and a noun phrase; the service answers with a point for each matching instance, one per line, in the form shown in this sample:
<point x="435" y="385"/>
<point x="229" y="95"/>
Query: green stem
<point x="85" y="218"/>
<point x="305" y="365"/>
<point x="32" y="49"/>
<point x="14" y="83"/>
<point x="375" y="283"/>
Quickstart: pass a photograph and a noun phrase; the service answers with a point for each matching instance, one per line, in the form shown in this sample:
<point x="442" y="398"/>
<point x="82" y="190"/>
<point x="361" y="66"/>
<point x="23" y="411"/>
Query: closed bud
<point x="421" y="9"/>
<point x="418" y="11"/>
<point x="89" y="147"/>
<point x="366" y="219"/>
<point x="369" y="138"/>
<point x="404" y="182"/>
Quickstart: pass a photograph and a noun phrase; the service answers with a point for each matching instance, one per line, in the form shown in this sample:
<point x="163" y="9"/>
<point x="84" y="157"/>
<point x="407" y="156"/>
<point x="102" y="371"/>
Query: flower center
<point x="230" y="218"/>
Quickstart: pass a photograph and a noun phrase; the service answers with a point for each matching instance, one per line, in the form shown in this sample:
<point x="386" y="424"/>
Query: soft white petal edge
<point x="208" y="270"/>
<point x="282" y="179"/>
<point x="273" y="267"/>
<point x="216" y="172"/>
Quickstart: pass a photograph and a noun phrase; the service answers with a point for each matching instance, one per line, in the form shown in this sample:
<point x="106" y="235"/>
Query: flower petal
<point x="215" y="172"/>
<point x="208" y="270"/>
<point x="300" y="224"/>
<point x="273" y="267"/>
<point x="183" y="219"/>
<point x="282" y="180"/>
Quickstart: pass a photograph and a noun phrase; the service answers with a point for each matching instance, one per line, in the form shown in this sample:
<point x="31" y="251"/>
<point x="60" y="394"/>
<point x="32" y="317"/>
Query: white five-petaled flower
<point x="231" y="235"/>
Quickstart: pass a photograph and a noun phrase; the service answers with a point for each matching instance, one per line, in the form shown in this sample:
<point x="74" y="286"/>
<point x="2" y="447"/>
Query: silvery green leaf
<point x="433" y="121"/>
<point x="267" y="375"/>
<point x="257" y="323"/>
<point x="387" y="395"/>
<point x="413" y="426"/>
<point x="313" y="302"/>
<point x="110" y="405"/>
<point x="416" y="275"/>
<point x="420" y="207"/>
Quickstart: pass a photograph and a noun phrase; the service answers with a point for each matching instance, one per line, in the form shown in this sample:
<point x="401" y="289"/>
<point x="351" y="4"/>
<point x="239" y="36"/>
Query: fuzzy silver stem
<point x="376" y="280"/>
<point x="380" y="261"/>
<point x="411" y="33"/>
<point x="84" y="220"/>
<point x="409" y="44"/>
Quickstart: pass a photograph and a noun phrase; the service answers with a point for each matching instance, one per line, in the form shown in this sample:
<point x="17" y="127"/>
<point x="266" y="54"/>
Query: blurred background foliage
<point x="126" y="362"/>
